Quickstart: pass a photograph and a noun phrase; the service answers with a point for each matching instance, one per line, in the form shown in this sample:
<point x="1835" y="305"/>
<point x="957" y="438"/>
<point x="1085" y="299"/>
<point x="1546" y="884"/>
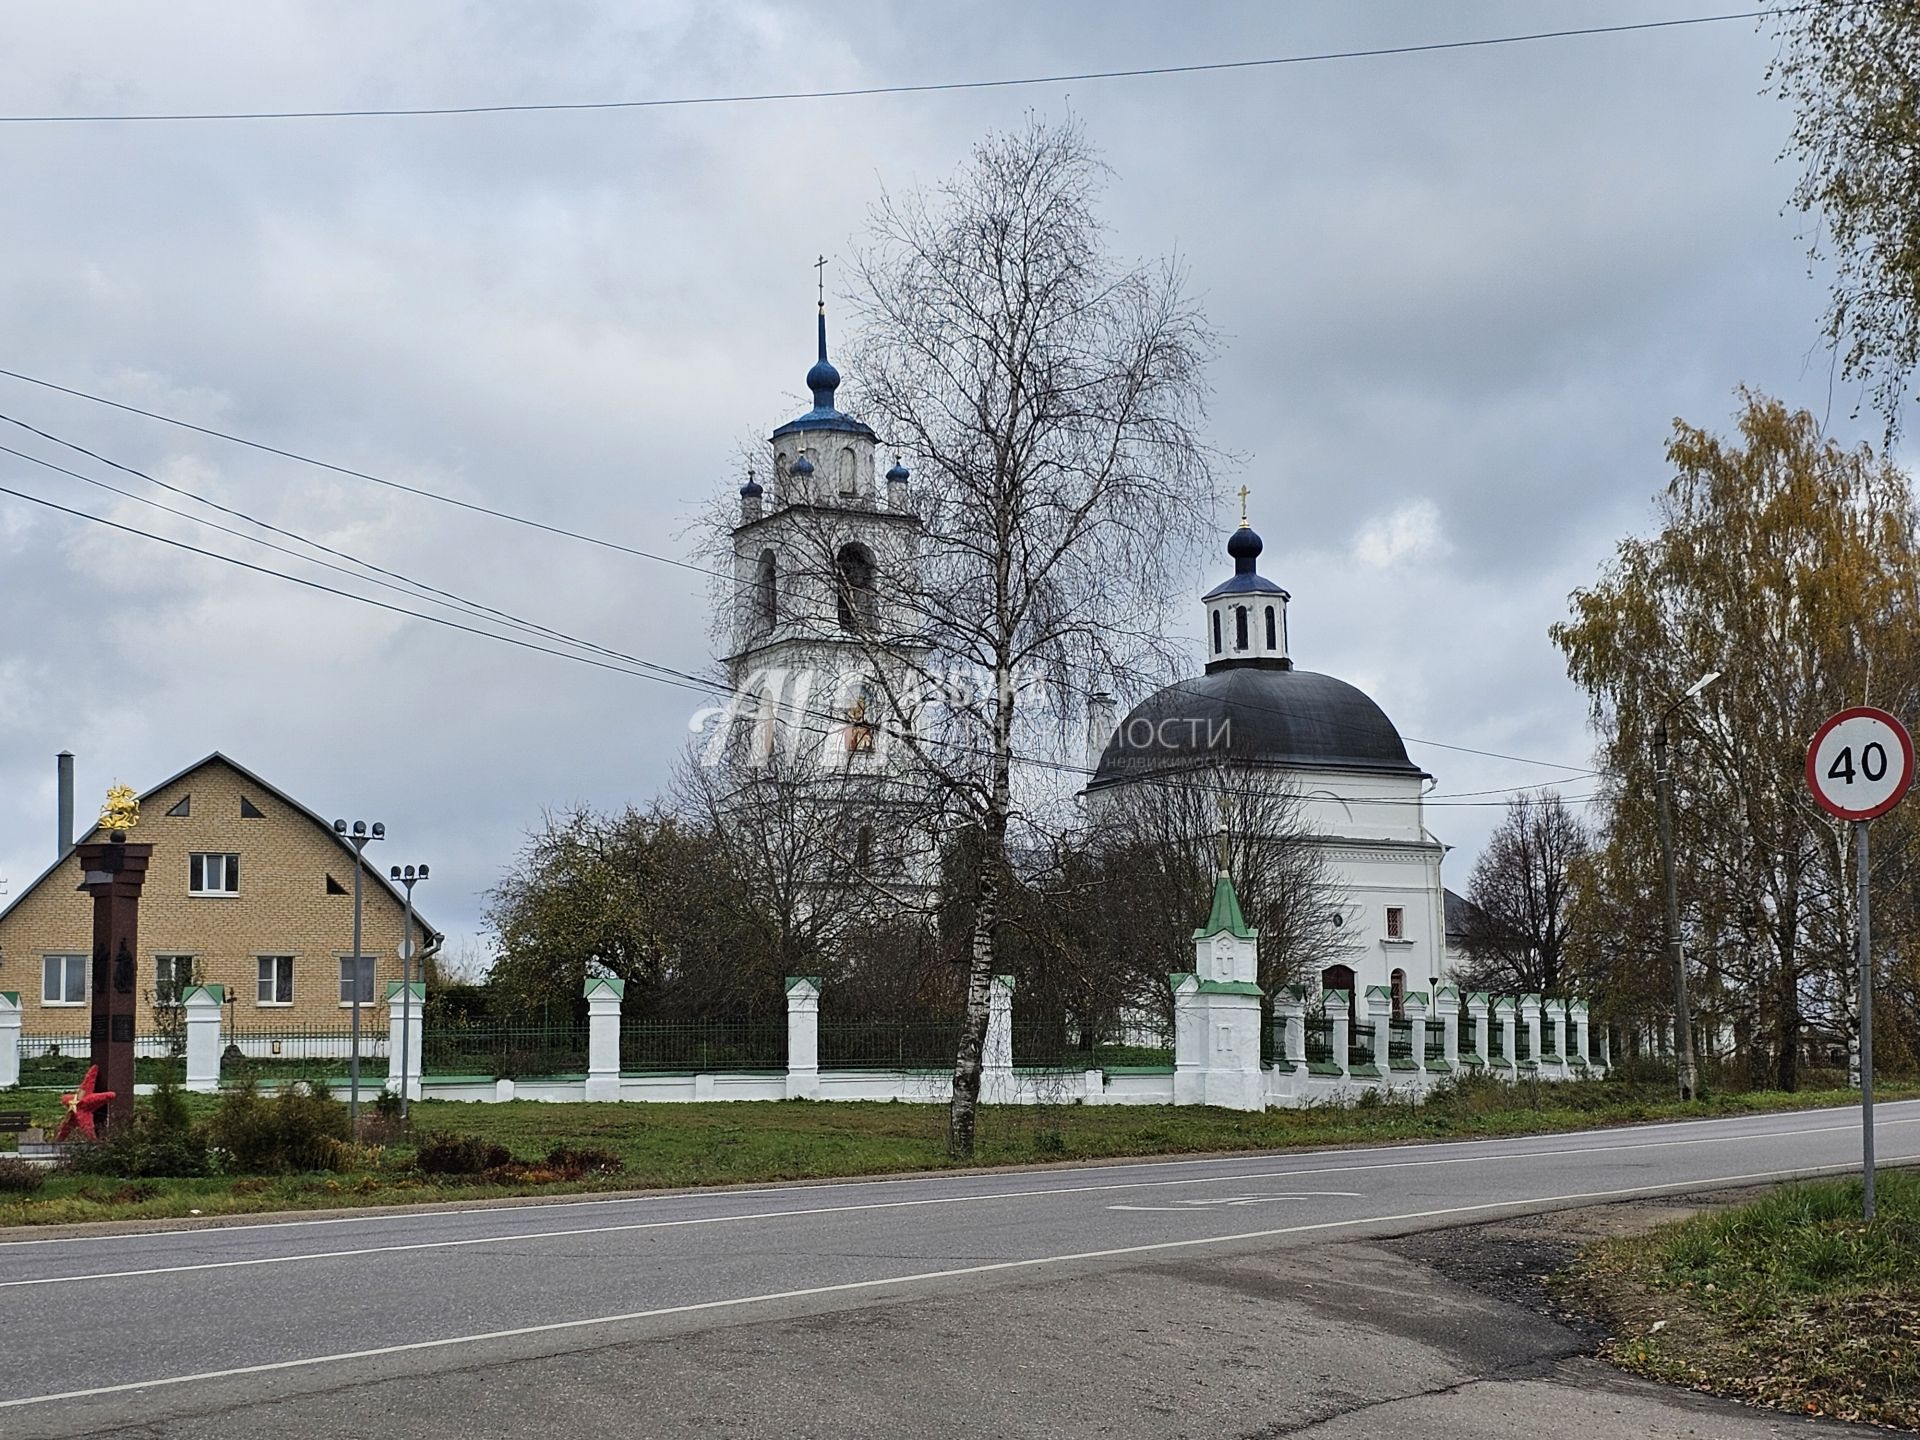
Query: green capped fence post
<point x="604" y="994"/>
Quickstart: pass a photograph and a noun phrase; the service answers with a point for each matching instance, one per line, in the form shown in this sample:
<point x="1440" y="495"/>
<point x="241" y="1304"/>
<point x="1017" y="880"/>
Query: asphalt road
<point x="188" y="1331"/>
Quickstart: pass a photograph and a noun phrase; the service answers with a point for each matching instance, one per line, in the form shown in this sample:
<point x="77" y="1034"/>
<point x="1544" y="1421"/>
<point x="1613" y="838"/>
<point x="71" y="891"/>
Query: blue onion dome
<point x="898" y="475"/>
<point x="751" y="490"/>
<point x="1245" y="547"/>
<point x="802" y="466"/>
<point x="823" y="380"/>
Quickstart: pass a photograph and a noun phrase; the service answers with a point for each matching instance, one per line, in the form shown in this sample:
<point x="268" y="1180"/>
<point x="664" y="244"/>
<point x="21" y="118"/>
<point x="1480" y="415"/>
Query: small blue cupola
<point x="1246" y="612"/>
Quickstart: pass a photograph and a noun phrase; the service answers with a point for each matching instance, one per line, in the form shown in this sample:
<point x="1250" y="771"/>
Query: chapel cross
<point x="1244" y="492"/>
<point x="820" y="269"/>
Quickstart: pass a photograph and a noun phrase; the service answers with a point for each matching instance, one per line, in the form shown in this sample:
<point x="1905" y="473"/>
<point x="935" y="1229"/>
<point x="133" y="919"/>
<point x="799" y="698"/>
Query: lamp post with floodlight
<point x="359" y="835"/>
<point x="408" y="876"/>
<point x="1676" y="954"/>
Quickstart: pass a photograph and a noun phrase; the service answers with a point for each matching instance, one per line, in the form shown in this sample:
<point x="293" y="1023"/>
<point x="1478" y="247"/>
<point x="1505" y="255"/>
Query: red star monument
<point x="81" y="1106"/>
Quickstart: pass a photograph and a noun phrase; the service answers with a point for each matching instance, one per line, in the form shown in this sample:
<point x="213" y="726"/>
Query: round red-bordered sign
<point x="1860" y="763"/>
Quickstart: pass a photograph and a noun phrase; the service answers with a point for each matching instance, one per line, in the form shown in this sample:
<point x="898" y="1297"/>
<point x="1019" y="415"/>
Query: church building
<point x="1261" y="719"/>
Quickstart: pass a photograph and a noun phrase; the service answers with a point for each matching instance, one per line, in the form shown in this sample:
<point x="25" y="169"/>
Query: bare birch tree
<point x="1050" y="399"/>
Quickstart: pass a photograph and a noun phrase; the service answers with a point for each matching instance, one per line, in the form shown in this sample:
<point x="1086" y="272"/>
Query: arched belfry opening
<point x="853" y="585"/>
<point x="766" y="590"/>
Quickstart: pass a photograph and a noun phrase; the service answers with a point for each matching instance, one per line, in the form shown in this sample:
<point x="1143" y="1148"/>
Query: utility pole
<point x="1684" y="1068"/>
<point x="409" y="876"/>
<point x="360" y="835"/>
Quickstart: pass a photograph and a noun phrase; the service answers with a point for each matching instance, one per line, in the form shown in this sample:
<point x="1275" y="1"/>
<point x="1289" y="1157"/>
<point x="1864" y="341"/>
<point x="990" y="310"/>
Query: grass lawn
<point x="744" y="1142"/>
<point x="1791" y="1301"/>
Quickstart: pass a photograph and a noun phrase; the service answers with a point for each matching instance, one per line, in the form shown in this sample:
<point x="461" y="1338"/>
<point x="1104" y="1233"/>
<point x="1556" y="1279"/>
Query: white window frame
<point x="68" y="959"/>
<point x="198" y="867"/>
<point x="370" y="970"/>
<point x="1396" y="924"/>
<point x="172" y="993"/>
<point x="263" y="979"/>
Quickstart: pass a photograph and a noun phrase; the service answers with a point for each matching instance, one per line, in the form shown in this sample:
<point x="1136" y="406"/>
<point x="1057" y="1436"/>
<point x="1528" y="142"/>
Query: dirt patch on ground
<point x="1520" y="1260"/>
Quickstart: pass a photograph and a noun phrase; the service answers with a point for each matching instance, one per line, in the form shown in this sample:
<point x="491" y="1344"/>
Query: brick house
<point x="247" y="888"/>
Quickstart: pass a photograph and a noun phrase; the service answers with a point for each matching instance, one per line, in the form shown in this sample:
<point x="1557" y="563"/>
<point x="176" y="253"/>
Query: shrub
<point x="18" y="1177"/>
<point x="387" y="1104"/>
<point x="299" y="1129"/>
<point x="460" y="1155"/>
<point x="160" y="1140"/>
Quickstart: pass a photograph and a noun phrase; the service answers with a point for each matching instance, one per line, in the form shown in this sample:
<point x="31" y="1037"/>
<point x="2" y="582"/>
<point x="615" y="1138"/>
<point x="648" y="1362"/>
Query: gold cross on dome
<point x="1244" y="492"/>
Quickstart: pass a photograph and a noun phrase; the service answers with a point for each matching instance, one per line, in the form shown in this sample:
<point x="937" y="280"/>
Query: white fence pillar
<point x="1446" y="1010"/>
<point x="1339" y="1026"/>
<point x="9" y="1038"/>
<point x="803" y="1037"/>
<point x="1582" y="1037"/>
<point x="1414" y="1005"/>
<point x="604" y="994"/>
<point x="1380" y="1025"/>
<point x="1556" y="1011"/>
<point x="406" y="1029"/>
<point x="1290" y="1026"/>
<point x="203" y="1004"/>
<point x="1530" y="1017"/>
<point x="1477" y="1008"/>
<point x="996" y="1059"/>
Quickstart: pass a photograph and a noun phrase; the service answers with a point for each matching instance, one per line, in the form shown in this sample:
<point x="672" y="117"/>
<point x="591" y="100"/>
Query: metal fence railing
<point x="1319" y="1040"/>
<point x="49" y="1062"/>
<point x="703" y="1046"/>
<point x="509" y="1052"/>
<point x="1065" y="1045"/>
<point x="282" y="1053"/>
<point x="1400" y="1041"/>
<point x="888" y="1044"/>
<point x="1436" y="1042"/>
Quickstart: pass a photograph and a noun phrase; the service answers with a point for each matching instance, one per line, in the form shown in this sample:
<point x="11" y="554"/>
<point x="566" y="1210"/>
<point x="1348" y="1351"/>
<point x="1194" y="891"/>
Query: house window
<point x="1396" y="923"/>
<point x="250" y="811"/>
<point x="172" y="974"/>
<point x="276" y="980"/>
<point x="63" y="980"/>
<point x="181" y="808"/>
<point x="1273" y="634"/>
<point x="349" y="966"/>
<point x="213" y="874"/>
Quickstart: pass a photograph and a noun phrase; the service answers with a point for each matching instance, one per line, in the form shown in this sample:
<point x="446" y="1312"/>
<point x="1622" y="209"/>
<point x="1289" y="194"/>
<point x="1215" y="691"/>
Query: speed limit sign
<point x="1860" y="763"/>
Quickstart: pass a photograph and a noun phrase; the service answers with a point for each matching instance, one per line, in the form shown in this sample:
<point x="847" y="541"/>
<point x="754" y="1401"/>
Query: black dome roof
<point x="1252" y="714"/>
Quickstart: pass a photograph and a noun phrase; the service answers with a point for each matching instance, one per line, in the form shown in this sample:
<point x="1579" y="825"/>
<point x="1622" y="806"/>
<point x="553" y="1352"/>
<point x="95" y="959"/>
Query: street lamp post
<point x="1676" y="954"/>
<point x="409" y="876"/>
<point x="359" y="835"/>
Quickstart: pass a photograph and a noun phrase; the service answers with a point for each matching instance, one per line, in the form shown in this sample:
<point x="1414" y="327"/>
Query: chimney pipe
<point x="65" y="764"/>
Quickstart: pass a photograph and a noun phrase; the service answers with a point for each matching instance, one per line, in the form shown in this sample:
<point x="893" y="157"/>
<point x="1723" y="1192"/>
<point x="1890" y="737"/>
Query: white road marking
<point x="849" y="1286"/>
<point x="1188" y="1206"/>
<point x="378" y="1214"/>
<point x="514" y="1237"/>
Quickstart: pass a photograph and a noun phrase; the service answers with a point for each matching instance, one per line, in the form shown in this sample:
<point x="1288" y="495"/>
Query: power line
<point x="1575" y="771"/>
<point x="649" y="670"/>
<point x="925" y="88"/>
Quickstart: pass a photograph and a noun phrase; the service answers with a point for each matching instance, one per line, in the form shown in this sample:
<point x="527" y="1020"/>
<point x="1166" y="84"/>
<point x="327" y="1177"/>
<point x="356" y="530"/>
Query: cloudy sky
<point x="1463" y="296"/>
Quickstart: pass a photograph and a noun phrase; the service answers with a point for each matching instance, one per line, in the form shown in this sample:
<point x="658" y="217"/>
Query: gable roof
<point x="216" y="758"/>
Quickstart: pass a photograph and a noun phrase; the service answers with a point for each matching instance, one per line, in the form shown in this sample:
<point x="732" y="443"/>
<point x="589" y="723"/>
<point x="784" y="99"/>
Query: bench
<point x="15" y="1121"/>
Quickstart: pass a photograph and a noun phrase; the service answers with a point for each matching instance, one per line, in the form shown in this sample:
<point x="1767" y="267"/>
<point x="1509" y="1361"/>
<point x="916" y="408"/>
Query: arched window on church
<point x="1273" y="640"/>
<point x="863" y="848"/>
<point x="765" y="727"/>
<point x="1239" y="627"/>
<point x="1216" y="632"/>
<point x="766" y="591"/>
<point x="853" y="584"/>
<point x="1399" y="983"/>
<point x="781" y="460"/>
<point x="848" y="466"/>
